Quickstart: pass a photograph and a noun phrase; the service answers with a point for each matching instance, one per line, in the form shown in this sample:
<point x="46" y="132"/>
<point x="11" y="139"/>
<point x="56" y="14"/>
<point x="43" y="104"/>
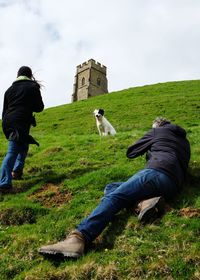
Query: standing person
<point x="20" y="101"/>
<point x="167" y="153"/>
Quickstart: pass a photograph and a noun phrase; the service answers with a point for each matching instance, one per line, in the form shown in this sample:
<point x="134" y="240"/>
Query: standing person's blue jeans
<point x="145" y="184"/>
<point x="13" y="161"/>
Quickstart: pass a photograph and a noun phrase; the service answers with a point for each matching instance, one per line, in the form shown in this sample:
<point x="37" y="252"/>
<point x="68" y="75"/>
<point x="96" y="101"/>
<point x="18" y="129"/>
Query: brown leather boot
<point x="73" y="246"/>
<point x="151" y="209"/>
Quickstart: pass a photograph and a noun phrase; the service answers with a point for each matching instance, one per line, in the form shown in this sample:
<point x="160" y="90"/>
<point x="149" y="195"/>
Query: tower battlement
<point x="91" y="63"/>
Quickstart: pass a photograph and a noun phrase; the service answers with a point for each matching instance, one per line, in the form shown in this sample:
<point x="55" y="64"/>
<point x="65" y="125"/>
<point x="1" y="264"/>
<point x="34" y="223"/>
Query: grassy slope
<point x="72" y="166"/>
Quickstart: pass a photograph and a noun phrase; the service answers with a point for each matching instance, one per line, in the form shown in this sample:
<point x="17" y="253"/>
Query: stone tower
<point x="90" y="80"/>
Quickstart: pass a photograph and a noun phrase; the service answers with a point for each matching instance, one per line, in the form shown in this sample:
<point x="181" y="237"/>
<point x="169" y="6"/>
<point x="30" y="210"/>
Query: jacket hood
<point x="179" y="131"/>
<point x="22" y="78"/>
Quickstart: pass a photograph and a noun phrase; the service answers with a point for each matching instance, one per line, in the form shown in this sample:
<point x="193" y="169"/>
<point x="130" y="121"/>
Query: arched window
<point x="98" y="81"/>
<point x="83" y="81"/>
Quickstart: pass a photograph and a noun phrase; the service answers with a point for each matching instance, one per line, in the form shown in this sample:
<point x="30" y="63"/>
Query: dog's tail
<point x="113" y="131"/>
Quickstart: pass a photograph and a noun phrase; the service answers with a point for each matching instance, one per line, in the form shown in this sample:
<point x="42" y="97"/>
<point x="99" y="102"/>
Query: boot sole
<point x="56" y="253"/>
<point x="153" y="212"/>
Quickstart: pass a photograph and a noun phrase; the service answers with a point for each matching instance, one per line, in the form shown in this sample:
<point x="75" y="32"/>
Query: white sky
<point x="140" y="41"/>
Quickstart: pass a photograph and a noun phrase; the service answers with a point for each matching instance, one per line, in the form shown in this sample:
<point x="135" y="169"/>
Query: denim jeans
<point x="13" y="161"/>
<point x="145" y="184"/>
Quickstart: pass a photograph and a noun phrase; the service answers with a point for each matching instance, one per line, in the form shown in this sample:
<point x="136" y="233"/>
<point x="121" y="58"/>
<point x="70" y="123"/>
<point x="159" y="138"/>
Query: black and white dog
<point x="104" y="127"/>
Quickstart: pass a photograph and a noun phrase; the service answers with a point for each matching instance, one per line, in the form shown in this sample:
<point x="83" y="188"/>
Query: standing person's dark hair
<point x="25" y="71"/>
<point x="21" y="99"/>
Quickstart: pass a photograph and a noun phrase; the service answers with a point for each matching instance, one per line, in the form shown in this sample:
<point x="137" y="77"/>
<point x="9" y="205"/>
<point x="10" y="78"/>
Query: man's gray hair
<point x="160" y="121"/>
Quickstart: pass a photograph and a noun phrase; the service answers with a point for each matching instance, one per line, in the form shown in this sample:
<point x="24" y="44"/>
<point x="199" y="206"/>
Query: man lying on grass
<point x="167" y="152"/>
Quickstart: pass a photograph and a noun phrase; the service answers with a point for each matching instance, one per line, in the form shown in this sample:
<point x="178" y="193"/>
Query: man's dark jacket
<point x="20" y="101"/>
<point x="166" y="149"/>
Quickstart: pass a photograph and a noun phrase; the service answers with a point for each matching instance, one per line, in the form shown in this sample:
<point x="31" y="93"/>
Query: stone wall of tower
<point x="90" y="80"/>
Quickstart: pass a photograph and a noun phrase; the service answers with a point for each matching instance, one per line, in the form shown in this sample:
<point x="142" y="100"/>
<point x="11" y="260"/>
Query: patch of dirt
<point x="190" y="212"/>
<point x="51" y="195"/>
<point x="17" y="216"/>
<point x="53" y="150"/>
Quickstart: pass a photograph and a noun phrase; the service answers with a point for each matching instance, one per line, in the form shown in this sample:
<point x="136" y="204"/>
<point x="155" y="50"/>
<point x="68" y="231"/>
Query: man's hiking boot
<point x="73" y="246"/>
<point x="17" y="175"/>
<point x="151" y="209"/>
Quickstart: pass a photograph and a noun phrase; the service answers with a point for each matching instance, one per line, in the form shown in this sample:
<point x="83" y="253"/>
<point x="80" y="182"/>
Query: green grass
<point x="64" y="180"/>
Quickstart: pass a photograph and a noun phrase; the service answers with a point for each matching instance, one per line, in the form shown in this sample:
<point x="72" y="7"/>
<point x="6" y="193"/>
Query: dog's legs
<point x="106" y="132"/>
<point x="99" y="131"/>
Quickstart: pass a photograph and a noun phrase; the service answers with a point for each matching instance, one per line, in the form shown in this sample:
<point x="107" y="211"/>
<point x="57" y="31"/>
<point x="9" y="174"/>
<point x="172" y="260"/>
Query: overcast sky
<point x="140" y="41"/>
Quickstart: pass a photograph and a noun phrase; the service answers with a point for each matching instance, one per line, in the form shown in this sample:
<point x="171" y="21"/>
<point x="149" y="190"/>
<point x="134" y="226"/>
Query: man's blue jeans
<point x="145" y="184"/>
<point x="13" y="161"/>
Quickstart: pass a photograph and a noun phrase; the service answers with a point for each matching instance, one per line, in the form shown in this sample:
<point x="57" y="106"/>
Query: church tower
<point x="90" y="80"/>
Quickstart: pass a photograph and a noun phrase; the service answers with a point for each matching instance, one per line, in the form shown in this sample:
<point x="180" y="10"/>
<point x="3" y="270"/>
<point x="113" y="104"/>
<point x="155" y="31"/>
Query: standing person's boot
<point x="17" y="174"/>
<point x="151" y="209"/>
<point x="73" y="246"/>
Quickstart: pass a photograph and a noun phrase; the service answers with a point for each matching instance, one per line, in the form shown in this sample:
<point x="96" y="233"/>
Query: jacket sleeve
<point x="141" y="146"/>
<point x="5" y="106"/>
<point x="37" y="105"/>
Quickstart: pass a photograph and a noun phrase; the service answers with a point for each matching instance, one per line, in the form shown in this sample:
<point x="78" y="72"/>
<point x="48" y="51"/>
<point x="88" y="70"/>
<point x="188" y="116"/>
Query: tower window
<point x="83" y="81"/>
<point x="98" y="81"/>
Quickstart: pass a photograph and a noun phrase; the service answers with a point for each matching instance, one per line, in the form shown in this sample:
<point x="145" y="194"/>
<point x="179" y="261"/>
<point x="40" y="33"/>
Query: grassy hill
<point x="64" y="180"/>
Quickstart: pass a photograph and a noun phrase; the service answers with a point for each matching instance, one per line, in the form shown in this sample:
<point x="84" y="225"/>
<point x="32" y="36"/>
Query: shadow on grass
<point x="193" y="177"/>
<point x="50" y="176"/>
<point x="116" y="227"/>
<point x="190" y="191"/>
<point x="58" y="259"/>
<point x="69" y="173"/>
<point x="43" y="178"/>
<point x="20" y="186"/>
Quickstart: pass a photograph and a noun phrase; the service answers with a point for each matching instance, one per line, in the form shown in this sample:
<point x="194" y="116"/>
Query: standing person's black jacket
<point x="20" y="101"/>
<point x="167" y="149"/>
